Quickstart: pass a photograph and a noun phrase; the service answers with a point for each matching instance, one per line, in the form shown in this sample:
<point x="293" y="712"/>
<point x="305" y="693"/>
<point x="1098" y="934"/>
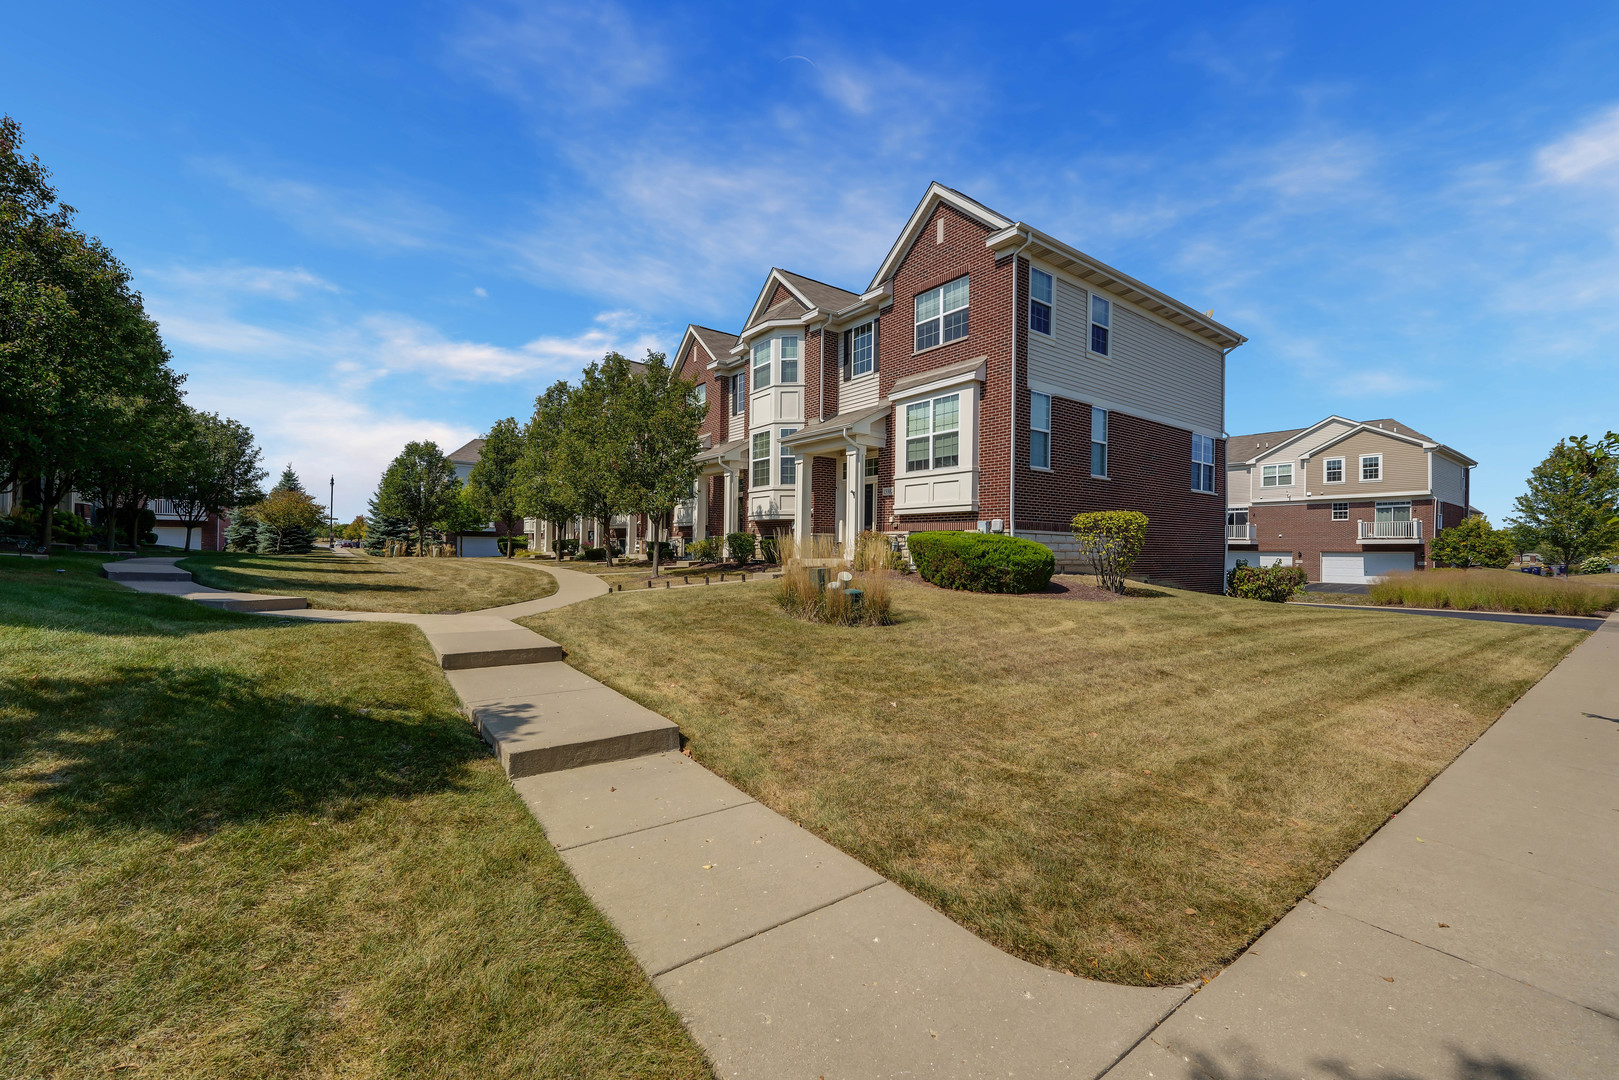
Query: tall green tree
<point x="420" y="486"/>
<point x="593" y="446"/>
<point x="496" y="481"/>
<point x="1571" y="506"/>
<point x="540" y="495"/>
<point x="216" y="468"/>
<point x="143" y="433"/>
<point x="1472" y="543"/>
<point x="660" y="428"/>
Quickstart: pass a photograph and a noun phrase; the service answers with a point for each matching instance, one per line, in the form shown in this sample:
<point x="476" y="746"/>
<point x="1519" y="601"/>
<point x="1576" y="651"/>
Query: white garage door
<point x="1260" y="558"/>
<point x="1363" y="568"/>
<point x="171" y="536"/>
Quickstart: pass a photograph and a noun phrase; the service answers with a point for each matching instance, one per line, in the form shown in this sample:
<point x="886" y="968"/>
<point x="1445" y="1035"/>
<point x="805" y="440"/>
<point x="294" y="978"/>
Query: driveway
<point x="1572" y="622"/>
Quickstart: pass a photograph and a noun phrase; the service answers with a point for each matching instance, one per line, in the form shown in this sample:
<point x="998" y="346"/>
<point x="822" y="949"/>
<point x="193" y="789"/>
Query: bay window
<point x="941" y="314"/>
<point x="933" y="433"/>
<point x="789" y="358"/>
<point x="789" y="464"/>
<point x="761" y="365"/>
<point x="761" y="460"/>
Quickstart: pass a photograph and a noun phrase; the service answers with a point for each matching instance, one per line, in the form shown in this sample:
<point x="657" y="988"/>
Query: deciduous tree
<point x="660" y="429"/>
<point x="1571" y="506"/>
<point x="420" y="486"/>
<point x="1472" y="543"/>
<point x="496" y="481"/>
<point x="216" y="467"/>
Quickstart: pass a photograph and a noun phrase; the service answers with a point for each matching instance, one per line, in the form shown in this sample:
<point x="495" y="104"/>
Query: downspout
<point x="820" y="385"/>
<point x="1011" y="480"/>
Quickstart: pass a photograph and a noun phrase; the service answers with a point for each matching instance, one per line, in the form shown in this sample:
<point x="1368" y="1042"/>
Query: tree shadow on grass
<point x="307" y="572"/>
<point x="186" y="752"/>
<point x="1247" y="1064"/>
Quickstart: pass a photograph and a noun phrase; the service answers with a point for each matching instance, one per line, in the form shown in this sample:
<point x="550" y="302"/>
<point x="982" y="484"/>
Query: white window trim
<point x="871" y="328"/>
<point x="1335" y="511"/>
<point x="739" y="393"/>
<point x="784" y="454"/>
<point x="1047" y="429"/>
<point x="939" y="318"/>
<point x="1364" y="458"/>
<point x="1051" y="305"/>
<point x="782" y="358"/>
<point x="1091" y="296"/>
<point x="1277" y="465"/>
<point x="1343" y="471"/>
<point x="1107" y="455"/>
<point x="754" y="459"/>
<point x="769" y="346"/>
<point x="906" y="438"/>
<point x="1214" y="476"/>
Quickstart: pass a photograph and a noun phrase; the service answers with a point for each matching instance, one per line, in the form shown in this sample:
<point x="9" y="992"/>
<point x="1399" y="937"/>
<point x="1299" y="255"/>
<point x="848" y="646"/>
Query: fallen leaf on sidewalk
<point x="1388" y="978"/>
<point x="708" y="866"/>
<point x="1444" y="926"/>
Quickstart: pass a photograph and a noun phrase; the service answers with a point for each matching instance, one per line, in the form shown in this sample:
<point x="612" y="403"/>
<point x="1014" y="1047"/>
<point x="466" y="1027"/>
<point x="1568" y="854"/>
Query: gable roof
<point x="1244" y="449"/>
<point x="809" y="294"/>
<point x="716" y="343"/>
<point x="1239" y="448"/>
<point x="1007" y="235"/>
<point x="471" y="452"/>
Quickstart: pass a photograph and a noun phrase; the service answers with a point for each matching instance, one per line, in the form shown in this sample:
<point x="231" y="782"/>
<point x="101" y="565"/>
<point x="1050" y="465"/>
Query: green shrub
<point x="982" y="562"/>
<point x="1471" y="543"/>
<point x="1597" y="564"/>
<point x="596" y="554"/>
<point x="1274" y="583"/>
<point x="565" y="547"/>
<point x="704" y="551"/>
<point x="665" y="550"/>
<point x="1112" y="541"/>
<point x="740" y="545"/>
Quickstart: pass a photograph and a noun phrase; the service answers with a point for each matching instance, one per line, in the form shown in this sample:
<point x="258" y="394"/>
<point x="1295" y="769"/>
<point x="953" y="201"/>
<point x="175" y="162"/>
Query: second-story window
<point x="1371" y="466"/>
<point x="789" y="463"/>
<point x="1039" y="430"/>
<point x="1101" y="326"/>
<point x="864" y="349"/>
<point x="941" y="314"/>
<point x="699" y="395"/>
<point x="1277" y="475"/>
<point x="761" y="460"/>
<point x="1202" y="463"/>
<point x="933" y="433"/>
<point x="789" y="358"/>
<point x="1039" y="301"/>
<point x="739" y="393"/>
<point x="1098" y="442"/>
<point x="1334" y="469"/>
<point x="761" y="365"/>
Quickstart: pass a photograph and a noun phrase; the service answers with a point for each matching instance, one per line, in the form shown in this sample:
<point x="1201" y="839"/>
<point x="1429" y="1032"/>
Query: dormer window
<point x="761" y="365"/>
<point x="941" y="314"/>
<point x="1101" y="326"/>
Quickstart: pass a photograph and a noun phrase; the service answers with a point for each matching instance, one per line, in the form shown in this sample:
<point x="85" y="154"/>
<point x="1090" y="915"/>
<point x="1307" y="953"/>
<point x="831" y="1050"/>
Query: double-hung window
<point x="699" y="395"/>
<point x="1202" y="463"/>
<point x="1098" y="442"/>
<point x="864" y="348"/>
<point x="761" y="364"/>
<point x="933" y="433"/>
<point x="1101" y="325"/>
<point x="789" y="358"/>
<point x="739" y="393"/>
<point x="1371" y="467"/>
<point x="1334" y="469"/>
<point x="1039" y="430"/>
<point x="941" y="314"/>
<point x="789" y="464"/>
<point x="872" y="461"/>
<point x="1340" y="511"/>
<point x="1277" y="475"/>
<point x="761" y="460"/>
<point x="1039" y="301"/>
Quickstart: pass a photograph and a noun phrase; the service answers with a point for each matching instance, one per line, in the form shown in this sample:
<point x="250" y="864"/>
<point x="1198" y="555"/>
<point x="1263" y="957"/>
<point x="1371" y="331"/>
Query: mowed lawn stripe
<point x="231" y="846"/>
<point x="1132" y="790"/>
<point x="356" y="582"/>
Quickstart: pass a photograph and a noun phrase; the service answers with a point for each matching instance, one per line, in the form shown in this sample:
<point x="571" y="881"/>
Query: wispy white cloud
<point x="560" y="55"/>
<point x="396" y="343"/>
<point x="1590" y="153"/>
<point x="377" y="216"/>
<point x="273" y="282"/>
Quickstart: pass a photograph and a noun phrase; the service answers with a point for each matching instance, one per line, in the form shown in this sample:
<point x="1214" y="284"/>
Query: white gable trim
<point x="937" y="193"/>
<point x="1269" y="450"/>
<point x="1356" y="430"/>
<point x="760" y="304"/>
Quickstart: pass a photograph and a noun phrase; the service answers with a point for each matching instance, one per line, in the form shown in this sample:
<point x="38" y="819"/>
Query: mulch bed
<point x="1062" y="587"/>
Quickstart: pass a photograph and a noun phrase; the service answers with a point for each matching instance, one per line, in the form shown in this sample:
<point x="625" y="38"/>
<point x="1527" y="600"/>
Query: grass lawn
<point x="363" y="583"/>
<point x="635" y="575"/>
<point x="1131" y="790"/>
<point x="230" y="846"/>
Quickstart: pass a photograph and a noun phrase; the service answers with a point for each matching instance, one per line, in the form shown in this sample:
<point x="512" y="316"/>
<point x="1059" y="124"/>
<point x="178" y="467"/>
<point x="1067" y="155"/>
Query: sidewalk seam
<point x="775" y="926"/>
<point x="659" y="825"/>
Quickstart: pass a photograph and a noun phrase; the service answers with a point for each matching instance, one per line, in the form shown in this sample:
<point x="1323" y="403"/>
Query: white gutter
<point x="1011" y="485"/>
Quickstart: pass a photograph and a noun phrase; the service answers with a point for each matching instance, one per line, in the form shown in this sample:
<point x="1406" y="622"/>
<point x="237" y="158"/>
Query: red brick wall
<point x="694" y="366"/>
<point x="716" y="505"/>
<point x="1150" y="470"/>
<point x="831" y="376"/>
<point x="782" y="293"/>
<point x="1452" y="514"/>
<point x="1307" y="529"/>
<point x="824" y="503"/>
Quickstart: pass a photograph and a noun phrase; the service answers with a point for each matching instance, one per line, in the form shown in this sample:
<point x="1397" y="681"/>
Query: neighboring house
<point x="171" y="528"/>
<point x="989" y="377"/>
<point x="485" y="542"/>
<point x="1348" y="501"/>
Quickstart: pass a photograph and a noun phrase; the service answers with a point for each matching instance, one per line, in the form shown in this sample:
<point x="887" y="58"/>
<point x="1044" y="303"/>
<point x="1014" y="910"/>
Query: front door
<point x="870" y="517"/>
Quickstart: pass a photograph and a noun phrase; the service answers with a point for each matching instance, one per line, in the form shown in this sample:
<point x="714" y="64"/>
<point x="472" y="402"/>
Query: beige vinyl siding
<point x="1237" y="486"/>
<point x="1449" y="481"/>
<point x="1405" y="467"/>
<point x="1303" y="444"/>
<point x="1154" y="371"/>
<point x="858" y="393"/>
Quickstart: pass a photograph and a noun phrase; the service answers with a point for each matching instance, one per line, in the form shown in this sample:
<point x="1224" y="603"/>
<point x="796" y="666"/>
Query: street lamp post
<point x="331" y="515"/>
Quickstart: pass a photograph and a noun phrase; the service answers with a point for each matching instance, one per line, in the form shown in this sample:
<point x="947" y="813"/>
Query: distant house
<point x="209" y="535"/>
<point x="485" y="542"/>
<point x="1349" y="501"/>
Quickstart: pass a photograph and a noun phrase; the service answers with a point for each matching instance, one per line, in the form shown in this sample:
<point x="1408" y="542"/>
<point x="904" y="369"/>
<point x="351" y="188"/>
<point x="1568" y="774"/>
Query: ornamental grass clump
<point x="802" y="597"/>
<point x="1494" y="590"/>
<point x="982" y="562"/>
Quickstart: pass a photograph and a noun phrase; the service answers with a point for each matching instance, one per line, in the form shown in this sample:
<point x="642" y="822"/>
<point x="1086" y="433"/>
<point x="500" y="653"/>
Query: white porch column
<point x="730" y="501"/>
<point x="801" y="504"/>
<point x="699" y="509"/>
<point x="856" y="459"/>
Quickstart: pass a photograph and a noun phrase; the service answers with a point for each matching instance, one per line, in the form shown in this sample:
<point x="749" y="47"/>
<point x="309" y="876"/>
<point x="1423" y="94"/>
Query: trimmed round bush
<point x="982" y="562"/>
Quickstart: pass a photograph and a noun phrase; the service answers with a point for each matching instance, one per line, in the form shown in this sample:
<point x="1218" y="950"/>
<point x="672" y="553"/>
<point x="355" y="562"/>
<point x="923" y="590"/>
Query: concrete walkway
<point x="1473" y="937"/>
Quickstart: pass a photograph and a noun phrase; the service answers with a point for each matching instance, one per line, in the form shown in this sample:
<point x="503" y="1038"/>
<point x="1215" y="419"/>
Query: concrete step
<point x="459" y="650"/>
<point x="542" y="718"/>
<point x="249" y="602"/>
<point x="114" y="573"/>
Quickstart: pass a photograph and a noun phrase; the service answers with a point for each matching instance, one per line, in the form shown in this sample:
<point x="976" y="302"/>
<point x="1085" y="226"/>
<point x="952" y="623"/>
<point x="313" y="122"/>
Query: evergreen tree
<point x="382" y="529"/>
<point x="242" y="534"/>
<point x="289" y="481"/>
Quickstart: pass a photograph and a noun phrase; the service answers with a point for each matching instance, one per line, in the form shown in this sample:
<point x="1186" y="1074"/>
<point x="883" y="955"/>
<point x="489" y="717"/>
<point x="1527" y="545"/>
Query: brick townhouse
<point x="989" y="377"/>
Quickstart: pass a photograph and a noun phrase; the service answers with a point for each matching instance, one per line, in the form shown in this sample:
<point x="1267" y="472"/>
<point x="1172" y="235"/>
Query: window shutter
<point x="845" y="352"/>
<point x="876" y="344"/>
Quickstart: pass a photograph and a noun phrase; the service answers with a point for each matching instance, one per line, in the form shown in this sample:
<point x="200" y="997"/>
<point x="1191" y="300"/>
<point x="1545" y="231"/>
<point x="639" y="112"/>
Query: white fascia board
<point x="1339" y="496"/>
<point x="775" y="278"/>
<point x="1017" y="233"/>
<point x="1455" y="455"/>
<point x="1269" y="450"/>
<point x="752" y="332"/>
<point x="978" y="374"/>
<point x="936" y="194"/>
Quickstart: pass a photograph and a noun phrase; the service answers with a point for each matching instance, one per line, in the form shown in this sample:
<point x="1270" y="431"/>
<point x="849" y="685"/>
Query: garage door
<point x="170" y="536"/>
<point x="1362" y="568"/>
<point x="1259" y="558"/>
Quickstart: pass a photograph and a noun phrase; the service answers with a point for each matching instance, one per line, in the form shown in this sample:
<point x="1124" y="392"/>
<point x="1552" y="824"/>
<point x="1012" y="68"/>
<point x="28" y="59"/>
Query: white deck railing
<point x="1391" y="530"/>
<point x="1242" y="534"/>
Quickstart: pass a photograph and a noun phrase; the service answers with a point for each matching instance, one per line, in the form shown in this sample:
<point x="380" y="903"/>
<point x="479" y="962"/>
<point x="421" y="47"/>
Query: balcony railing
<point x="1242" y="534"/>
<point x="1391" y="530"/>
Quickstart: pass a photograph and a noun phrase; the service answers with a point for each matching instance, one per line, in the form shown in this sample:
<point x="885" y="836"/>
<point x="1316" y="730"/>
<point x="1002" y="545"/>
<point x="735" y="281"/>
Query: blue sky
<point x="362" y="224"/>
